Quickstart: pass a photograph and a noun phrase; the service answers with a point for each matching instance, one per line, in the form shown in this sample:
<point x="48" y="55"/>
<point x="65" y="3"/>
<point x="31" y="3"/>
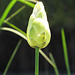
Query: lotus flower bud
<point x="38" y="32"/>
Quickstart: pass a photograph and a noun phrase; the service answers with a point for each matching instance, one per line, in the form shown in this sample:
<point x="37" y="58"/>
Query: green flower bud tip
<point x="38" y="32"/>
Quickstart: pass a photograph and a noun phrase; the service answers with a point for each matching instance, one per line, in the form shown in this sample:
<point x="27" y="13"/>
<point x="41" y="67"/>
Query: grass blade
<point x="27" y="3"/>
<point x="13" y="26"/>
<point x="12" y="57"/>
<point x="14" y="31"/>
<point x="7" y="10"/>
<point x="55" y="68"/>
<point x="35" y="1"/>
<point x="14" y="14"/>
<point x="65" y="51"/>
<point x="49" y="61"/>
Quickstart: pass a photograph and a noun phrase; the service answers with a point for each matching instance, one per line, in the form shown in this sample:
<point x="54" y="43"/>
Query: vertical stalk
<point x="36" y="61"/>
<point x="65" y="51"/>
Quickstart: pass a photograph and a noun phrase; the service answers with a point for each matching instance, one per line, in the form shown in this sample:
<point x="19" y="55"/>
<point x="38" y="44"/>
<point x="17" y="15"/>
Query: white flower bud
<point x="38" y="32"/>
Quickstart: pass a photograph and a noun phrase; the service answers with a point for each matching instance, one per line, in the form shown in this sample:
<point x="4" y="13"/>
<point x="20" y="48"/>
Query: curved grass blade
<point x="49" y="61"/>
<point x="27" y="3"/>
<point x="14" y="31"/>
<point x="65" y="51"/>
<point x="55" y="68"/>
<point x="13" y="26"/>
<point x="7" y="10"/>
<point x="35" y="1"/>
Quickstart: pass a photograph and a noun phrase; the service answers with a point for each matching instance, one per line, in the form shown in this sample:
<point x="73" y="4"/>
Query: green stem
<point x="14" y="14"/>
<point x="46" y="57"/>
<point x="11" y="58"/>
<point x="7" y="10"/>
<point x="55" y="68"/>
<point x="36" y="61"/>
<point x="65" y="51"/>
<point x="14" y="31"/>
<point x="13" y="26"/>
<point x="27" y="3"/>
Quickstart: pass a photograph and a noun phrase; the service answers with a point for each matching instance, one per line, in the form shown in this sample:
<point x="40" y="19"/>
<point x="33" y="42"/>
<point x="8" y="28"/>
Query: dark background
<point x="61" y="13"/>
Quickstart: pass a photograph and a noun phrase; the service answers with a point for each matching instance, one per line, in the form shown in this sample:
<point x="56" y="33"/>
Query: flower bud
<point x="38" y="32"/>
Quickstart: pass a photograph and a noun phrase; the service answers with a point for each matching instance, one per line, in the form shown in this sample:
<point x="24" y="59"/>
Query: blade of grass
<point x="49" y="61"/>
<point x="12" y="57"/>
<point x="36" y="61"/>
<point x="65" y="51"/>
<point x="14" y="14"/>
<point x="35" y="1"/>
<point x="13" y="26"/>
<point x="55" y="68"/>
<point x="7" y="10"/>
<point x="27" y="3"/>
<point x="14" y="31"/>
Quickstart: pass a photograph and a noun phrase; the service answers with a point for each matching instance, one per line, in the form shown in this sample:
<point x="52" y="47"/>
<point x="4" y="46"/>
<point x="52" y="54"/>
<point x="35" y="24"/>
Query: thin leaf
<point x="14" y="31"/>
<point x="44" y="55"/>
<point x="12" y="57"/>
<point x="7" y="10"/>
<point x="65" y="51"/>
<point x="14" y="14"/>
<point x="13" y="26"/>
<point x="27" y="3"/>
<point x="35" y="1"/>
<point x="55" y="68"/>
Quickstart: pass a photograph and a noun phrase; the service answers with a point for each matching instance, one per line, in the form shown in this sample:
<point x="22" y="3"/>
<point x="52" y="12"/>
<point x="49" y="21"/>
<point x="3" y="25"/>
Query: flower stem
<point x="65" y="51"/>
<point x="36" y="61"/>
<point x="11" y="58"/>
